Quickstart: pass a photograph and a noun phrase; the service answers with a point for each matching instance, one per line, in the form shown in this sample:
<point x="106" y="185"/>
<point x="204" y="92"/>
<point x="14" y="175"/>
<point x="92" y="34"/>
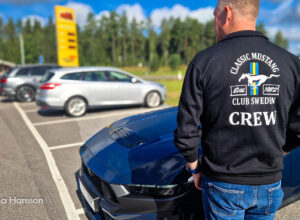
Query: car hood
<point x="137" y="150"/>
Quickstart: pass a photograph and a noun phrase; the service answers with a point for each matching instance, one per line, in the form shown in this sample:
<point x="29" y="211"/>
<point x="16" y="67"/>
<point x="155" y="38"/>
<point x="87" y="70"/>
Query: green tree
<point x="103" y="38"/>
<point x="133" y="35"/>
<point x="141" y="42"/>
<point x="29" y="41"/>
<point x="113" y="30"/>
<point x="39" y="40"/>
<point x="152" y="41"/>
<point x="209" y="34"/>
<point x="33" y="41"/>
<point x="164" y="40"/>
<point x="124" y="32"/>
<point x="1" y="38"/>
<point x="12" y="45"/>
<point x="196" y="39"/>
<point x="175" y="61"/>
<point x="177" y="36"/>
<point x="261" y="27"/>
<point x="154" y="63"/>
<point x="88" y="52"/>
<point x="49" y="47"/>
<point x="281" y="41"/>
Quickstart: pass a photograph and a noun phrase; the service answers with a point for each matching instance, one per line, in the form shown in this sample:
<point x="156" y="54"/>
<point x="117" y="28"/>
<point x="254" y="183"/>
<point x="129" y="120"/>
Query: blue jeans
<point x="235" y="202"/>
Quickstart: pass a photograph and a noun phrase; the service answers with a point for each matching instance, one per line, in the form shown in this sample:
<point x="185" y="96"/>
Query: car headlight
<point x="151" y="190"/>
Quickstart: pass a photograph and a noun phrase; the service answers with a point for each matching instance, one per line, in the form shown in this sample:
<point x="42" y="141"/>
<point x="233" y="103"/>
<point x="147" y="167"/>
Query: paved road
<point x="39" y="158"/>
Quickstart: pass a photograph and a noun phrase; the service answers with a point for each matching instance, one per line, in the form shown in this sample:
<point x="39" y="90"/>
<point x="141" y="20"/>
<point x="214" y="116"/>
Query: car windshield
<point x="47" y="76"/>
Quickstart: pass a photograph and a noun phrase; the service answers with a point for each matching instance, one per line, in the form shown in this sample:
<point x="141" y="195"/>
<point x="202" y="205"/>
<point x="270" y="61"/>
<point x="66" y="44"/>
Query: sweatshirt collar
<point x="246" y="33"/>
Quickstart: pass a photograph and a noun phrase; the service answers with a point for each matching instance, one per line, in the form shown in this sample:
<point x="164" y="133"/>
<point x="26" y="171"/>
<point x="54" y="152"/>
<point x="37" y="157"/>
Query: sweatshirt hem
<point x="247" y="180"/>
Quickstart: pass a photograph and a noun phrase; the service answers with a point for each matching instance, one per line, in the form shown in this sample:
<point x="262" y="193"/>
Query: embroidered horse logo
<point x="260" y="79"/>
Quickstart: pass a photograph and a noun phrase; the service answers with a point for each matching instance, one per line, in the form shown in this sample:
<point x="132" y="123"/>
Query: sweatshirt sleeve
<point x="187" y="136"/>
<point x="293" y="125"/>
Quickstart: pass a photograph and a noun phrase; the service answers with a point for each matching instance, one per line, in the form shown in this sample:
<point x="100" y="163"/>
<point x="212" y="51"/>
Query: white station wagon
<point x="76" y="90"/>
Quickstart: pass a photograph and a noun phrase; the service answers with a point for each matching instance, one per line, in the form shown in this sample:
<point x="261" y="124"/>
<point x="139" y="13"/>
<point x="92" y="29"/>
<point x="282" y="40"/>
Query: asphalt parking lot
<point x="40" y="157"/>
<point x="57" y="139"/>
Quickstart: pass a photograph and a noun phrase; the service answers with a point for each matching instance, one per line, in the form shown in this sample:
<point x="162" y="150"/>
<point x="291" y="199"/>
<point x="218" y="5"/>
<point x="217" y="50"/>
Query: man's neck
<point x="243" y="25"/>
<point x="241" y="29"/>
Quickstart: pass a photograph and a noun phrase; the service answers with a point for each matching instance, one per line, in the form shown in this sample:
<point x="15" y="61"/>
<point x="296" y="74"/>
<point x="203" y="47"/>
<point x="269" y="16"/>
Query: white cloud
<point x="132" y="11"/>
<point x="291" y="33"/>
<point x="102" y="14"/>
<point x="285" y="18"/>
<point x="287" y="13"/>
<point x="203" y="14"/>
<point x="32" y="18"/>
<point x="82" y="10"/>
<point x="178" y="11"/>
<point x="282" y="11"/>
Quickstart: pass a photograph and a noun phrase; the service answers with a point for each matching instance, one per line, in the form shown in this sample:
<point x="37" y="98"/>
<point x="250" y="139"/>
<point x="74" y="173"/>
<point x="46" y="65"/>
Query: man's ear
<point x="228" y="11"/>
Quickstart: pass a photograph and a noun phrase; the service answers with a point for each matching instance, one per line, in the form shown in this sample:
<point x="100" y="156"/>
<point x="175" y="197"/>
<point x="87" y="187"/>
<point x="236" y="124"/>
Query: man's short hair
<point x="246" y="7"/>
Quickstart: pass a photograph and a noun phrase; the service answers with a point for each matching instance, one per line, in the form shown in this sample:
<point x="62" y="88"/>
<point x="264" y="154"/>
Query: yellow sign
<point x="66" y="35"/>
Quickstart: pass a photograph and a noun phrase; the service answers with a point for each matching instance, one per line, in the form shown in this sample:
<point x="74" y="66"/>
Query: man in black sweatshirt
<point x="245" y="93"/>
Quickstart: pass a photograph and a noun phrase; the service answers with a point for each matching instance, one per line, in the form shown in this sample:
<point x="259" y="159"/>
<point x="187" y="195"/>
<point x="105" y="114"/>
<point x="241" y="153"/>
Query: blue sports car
<point x="132" y="170"/>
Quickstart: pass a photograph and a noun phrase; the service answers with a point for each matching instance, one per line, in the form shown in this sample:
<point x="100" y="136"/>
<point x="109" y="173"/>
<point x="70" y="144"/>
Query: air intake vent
<point x="126" y="137"/>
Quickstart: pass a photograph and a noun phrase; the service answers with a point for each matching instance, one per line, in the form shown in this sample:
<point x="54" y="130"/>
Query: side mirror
<point x="134" y="80"/>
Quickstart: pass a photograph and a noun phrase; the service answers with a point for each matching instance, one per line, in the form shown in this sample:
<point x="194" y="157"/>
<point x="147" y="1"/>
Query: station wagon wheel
<point x="76" y="107"/>
<point x="25" y="94"/>
<point x="153" y="99"/>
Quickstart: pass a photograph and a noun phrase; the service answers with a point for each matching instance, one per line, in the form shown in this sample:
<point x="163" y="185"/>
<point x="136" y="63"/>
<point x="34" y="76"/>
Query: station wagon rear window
<point x="118" y="77"/>
<point x="72" y="76"/>
<point x="47" y="77"/>
<point x="94" y="76"/>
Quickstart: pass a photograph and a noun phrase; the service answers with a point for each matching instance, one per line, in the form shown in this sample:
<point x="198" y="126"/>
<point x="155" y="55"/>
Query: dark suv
<point x="21" y="82"/>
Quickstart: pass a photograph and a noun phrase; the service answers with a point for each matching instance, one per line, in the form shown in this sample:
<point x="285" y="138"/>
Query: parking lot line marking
<point x="88" y="118"/>
<point x="66" y="146"/>
<point x="79" y="211"/>
<point x="27" y="103"/>
<point x="31" y="110"/>
<point x="59" y="182"/>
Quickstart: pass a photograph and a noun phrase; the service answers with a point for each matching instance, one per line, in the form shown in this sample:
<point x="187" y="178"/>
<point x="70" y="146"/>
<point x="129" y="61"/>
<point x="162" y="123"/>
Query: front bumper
<point x="184" y="206"/>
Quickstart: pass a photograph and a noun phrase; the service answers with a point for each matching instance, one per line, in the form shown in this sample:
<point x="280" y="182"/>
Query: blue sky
<point x="277" y="15"/>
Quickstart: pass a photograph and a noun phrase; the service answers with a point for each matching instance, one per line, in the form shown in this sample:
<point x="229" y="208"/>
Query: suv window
<point x="118" y="77"/>
<point x="72" y="76"/>
<point x="9" y="71"/>
<point x="39" y="71"/>
<point x="95" y="76"/>
<point x="23" y="72"/>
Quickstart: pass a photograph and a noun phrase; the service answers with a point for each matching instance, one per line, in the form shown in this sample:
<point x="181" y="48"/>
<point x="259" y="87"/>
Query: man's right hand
<point x="285" y="153"/>
<point x="198" y="180"/>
